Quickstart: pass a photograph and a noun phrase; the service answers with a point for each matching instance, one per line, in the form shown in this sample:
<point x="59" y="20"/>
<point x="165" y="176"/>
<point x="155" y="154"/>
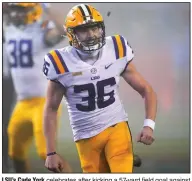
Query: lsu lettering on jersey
<point x="25" y="49"/>
<point x="91" y="90"/>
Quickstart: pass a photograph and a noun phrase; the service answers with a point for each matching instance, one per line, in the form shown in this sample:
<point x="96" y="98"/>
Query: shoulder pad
<point x="122" y="48"/>
<point x="54" y="65"/>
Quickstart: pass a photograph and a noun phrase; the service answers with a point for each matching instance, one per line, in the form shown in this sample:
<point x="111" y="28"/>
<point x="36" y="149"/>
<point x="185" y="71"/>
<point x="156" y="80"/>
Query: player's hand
<point x="66" y="167"/>
<point x="56" y="164"/>
<point x="46" y="7"/>
<point x="146" y="136"/>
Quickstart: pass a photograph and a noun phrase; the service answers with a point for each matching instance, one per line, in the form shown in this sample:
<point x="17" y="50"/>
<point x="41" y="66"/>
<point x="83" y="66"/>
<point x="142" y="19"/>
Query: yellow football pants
<point x="109" y="151"/>
<point x="27" y="122"/>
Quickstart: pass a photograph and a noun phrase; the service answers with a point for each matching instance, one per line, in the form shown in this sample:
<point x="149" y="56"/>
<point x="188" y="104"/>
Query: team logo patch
<point x="77" y="73"/>
<point x="93" y="70"/>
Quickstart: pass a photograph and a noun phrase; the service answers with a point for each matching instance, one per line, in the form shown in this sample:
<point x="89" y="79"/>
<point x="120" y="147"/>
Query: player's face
<point x="89" y="36"/>
<point x="17" y="15"/>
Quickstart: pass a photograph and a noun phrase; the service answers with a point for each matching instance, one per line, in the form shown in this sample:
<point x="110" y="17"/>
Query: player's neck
<point x="86" y="56"/>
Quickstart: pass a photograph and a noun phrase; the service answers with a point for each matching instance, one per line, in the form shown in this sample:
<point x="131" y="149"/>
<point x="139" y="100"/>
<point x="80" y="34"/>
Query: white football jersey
<point x="25" y="50"/>
<point x="91" y="90"/>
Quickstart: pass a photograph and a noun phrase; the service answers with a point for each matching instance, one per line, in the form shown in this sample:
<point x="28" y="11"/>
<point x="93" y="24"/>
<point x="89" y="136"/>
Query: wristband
<point x="150" y="123"/>
<point x="51" y="153"/>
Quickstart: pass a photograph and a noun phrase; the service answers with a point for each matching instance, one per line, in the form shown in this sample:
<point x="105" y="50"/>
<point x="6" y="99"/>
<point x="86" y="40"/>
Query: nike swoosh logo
<point x="107" y="66"/>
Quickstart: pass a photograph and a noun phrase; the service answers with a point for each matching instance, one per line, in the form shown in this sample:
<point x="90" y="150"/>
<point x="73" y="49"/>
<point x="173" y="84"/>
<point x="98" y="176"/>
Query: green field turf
<point x="170" y="153"/>
<point x="171" y="156"/>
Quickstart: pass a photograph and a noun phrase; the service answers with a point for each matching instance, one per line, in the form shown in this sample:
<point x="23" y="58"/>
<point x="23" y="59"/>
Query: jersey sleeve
<point x="48" y="25"/>
<point x="122" y="48"/>
<point x="130" y="53"/>
<point x="6" y="68"/>
<point x="45" y="6"/>
<point x="54" y="65"/>
<point x="123" y="52"/>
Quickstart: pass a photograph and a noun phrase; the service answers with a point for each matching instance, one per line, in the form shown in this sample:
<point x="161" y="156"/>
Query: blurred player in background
<point x="8" y="98"/>
<point x="27" y="37"/>
<point x="87" y="73"/>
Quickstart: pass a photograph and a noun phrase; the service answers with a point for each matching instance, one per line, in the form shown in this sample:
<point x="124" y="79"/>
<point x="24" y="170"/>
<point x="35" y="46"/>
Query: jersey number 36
<point x="91" y="99"/>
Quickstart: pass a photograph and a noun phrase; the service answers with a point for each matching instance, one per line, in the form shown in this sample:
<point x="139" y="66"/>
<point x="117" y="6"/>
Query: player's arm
<point x="52" y="35"/>
<point x="54" y="30"/>
<point x="137" y="82"/>
<point x="6" y="68"/>
<point x="55" y="93"/>
<point x="53" y="17"/>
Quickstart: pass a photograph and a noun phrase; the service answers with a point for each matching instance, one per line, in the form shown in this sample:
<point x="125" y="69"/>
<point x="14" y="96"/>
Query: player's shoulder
<point x="116" y="39"/>
<point x="9" y="29"/>
<point x="9" y="35"/>
<point x="54" y="62"/>
<point x="41" y="25"/>
<point x="120" y="45"/>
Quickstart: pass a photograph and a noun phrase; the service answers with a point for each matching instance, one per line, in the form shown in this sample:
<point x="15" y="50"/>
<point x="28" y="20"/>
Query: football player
<point x="27" y="38"/>
<point x="87" y="73"/>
